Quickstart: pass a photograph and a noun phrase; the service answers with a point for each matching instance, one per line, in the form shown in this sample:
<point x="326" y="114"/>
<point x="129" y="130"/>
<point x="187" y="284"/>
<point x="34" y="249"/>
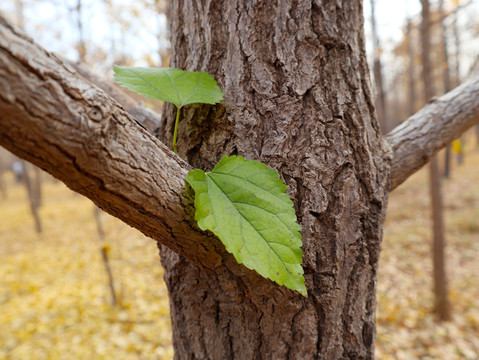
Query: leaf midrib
<point x="153" y="86"/>
<point x="269" y="212"/>
<point x="284" y="201"/>
<point x="261" y="235"/>
<point x="264" y="191"/>
<point x="194" y="91"/>
<point x="176" y="89"/>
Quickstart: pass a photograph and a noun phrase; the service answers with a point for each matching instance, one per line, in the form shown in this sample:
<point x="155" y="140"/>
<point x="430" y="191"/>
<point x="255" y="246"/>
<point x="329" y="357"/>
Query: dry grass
<point x="54" y="299"/>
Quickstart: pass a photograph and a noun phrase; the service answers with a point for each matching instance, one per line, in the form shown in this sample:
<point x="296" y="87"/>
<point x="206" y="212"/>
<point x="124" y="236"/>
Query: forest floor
<point x="55" y="302"/>
<point x="407" y="327"/>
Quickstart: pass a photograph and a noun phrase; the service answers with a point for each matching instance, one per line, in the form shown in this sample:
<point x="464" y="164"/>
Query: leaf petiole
<point x="176" y="129"/>
<point x="176" y="86"/>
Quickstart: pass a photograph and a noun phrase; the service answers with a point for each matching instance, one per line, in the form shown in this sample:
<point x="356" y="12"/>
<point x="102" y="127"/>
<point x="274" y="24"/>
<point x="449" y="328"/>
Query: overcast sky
<point x="114" y="30"/>
<point x="52" y="22"/>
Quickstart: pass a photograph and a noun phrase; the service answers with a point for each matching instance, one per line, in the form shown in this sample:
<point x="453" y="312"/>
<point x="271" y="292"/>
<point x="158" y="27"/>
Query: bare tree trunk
<point x="161" y="8"/>
<point x="457" y="42"/>
<point x="104" y="255"/>
<point x="33" y="196"/>
<point x="440" y="280"/>
<point x="81" y="47"/>
<point x="37" y="186"/>
<point x="3" y="187"/>
<point x="384" y="119"/>
<point x="298" y="97"/>
<point x="412" y="66"/>
<point x="442" y="307"/>
<point x="447" y="80"/>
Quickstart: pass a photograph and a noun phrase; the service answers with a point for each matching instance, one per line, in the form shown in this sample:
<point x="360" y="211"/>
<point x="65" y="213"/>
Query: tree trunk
<point x="446" y="79"/>
<point x="457" y="43"/>
<point x="3" y="187"/>
<point x="104" y="255"/>
<point x="81" y="47"/>
<point x="383" y="118"/>
<point x="33" y="187"/>
<point x="438" y="241"/>
<point x="411" y="68"/>
<point x="298" y="97"/>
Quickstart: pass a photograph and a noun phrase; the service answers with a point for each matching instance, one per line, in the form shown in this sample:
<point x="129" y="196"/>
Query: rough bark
<point x="298" y="97"/>
<point x="53" y="118"/>
<point x="421" y="136"/>
<point x="146" y="117"/>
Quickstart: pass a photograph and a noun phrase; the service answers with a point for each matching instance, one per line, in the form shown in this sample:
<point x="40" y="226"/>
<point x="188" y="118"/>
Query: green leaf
<point x="169" y="84"/>
<point x="245" y="204"/>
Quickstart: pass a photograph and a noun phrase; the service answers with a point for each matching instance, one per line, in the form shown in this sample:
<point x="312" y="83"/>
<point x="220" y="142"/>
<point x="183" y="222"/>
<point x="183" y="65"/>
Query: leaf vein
<point x="194" y="90"/>
<point x="261" y="235"/>
<point x="149" y="83"/>
<point x="176" y="89"/>
<point x="285" y="201"/>
<point x="269" y="212"/>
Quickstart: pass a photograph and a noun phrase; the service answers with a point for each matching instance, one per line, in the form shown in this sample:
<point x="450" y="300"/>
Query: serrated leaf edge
<point x="178" y="102"/>
<point x="301" y="288"/>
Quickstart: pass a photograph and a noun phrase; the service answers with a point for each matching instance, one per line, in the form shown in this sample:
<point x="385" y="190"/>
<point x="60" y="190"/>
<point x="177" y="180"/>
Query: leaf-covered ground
<point x="54" y="295"/>
<point x="407" y="327"/>
<point x="55" y="301"/>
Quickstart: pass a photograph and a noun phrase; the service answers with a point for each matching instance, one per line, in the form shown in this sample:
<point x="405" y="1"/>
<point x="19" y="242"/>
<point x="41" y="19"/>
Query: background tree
<point x="297" y="97"/>
<point x="440" y="279"/>
<point x="405" y="59"/>
<point x="446" y="78"/>
<point x="383" y="117"/>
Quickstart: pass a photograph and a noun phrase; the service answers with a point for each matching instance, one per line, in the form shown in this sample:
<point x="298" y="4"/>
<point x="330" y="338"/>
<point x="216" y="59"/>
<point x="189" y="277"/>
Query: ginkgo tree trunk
<point x="297" y="97"/>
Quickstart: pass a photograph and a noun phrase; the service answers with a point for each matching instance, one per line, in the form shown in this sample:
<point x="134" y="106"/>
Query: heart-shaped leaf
<point x="245" y="204"/>
<point x="169" y="84"/>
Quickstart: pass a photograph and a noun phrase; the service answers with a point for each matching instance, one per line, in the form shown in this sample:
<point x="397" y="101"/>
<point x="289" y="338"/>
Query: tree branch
<point x="147" y="118"/>
<point x="54" y="118"/>
<point x="441" y="121"/>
